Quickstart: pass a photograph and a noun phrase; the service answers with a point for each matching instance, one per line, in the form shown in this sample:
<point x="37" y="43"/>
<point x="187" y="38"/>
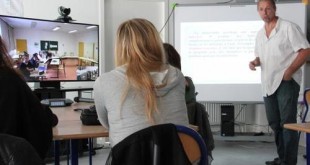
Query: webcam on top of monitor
<point x="64" y="14"/>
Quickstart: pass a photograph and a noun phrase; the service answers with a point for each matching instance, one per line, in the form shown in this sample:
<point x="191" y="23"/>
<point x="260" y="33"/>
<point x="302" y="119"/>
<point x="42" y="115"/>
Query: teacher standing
<point x="280" y="49"/>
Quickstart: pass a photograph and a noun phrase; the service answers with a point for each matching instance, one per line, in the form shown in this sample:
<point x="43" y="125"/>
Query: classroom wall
<point x="84" y="11"/>
<point x="36" y="36"/>
<point x="117" y="11"/>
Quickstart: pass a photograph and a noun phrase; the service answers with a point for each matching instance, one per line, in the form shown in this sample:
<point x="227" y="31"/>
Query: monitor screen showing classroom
<point x="216" y="44"/>
<point x="64" y="51"/>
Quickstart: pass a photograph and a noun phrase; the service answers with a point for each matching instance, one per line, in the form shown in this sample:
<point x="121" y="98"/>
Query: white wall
<point x="83" y="11"/>
<point x="117" y="11"/>
<point x="68" y="43"/>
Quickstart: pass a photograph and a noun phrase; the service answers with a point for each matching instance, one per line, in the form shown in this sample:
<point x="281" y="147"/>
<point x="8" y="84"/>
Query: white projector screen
<point x="216" y="43"/>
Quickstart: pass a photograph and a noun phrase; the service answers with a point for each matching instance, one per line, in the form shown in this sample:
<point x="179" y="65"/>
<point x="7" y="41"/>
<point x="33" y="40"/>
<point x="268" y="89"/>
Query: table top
<point x="70" y="125"/>
<point x="68" y="112"/>
<point x="304" y="127"/>
<point x="88" y="59"/>
<point x="74" y="129"/>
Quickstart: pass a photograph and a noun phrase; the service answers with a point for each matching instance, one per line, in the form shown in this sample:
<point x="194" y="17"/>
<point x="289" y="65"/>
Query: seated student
<point x="196" y="111"/>
<point x="142" y="90"/>
<point x="22" y="114"/>
<point x="35" y="60"/>
<point x="174" y="59"/>
<point x="26" y="66"/>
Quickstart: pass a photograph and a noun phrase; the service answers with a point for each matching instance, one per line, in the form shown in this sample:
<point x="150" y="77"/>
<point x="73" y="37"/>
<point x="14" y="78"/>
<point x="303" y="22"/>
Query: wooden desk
<point x="74" y="129"/>
<point x="68" y="113"/>
<point x="71" y="128"/>
<point x="35" y="74"/>
<point x="92" y="61"/>
<point x="303" y="127"/>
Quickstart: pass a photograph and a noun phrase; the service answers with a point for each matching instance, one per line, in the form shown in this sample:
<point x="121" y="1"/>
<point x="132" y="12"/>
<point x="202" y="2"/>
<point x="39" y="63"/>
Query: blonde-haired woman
<point x="142" y="90"/>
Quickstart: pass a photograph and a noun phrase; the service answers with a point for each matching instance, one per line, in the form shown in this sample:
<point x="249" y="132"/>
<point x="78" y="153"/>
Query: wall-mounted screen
<point x="45" y="50"/>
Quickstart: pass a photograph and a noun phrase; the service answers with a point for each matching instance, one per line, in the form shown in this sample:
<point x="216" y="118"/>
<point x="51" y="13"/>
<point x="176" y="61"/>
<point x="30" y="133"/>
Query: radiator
<point x="214" y="111"/>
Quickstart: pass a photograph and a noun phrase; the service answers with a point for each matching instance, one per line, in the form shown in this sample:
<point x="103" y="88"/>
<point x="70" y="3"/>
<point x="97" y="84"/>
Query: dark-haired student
<point x="35" y="60"/>
<point x="196" y="112"/>
<point x="22" y="114"/>
<point x="26" y="67"/>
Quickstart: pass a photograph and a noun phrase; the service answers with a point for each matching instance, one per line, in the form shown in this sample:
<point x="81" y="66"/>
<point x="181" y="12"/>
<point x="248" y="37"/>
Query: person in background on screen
<point x="26" y="66"/>
<point x="280" y="49"/>
<point x="22" y="114"/>
<point x="143" y="90"/>
<point x="35" y="60"/>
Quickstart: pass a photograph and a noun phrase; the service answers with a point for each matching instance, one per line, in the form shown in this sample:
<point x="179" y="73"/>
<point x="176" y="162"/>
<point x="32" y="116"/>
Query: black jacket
<point x="197" y="115"/>
<point x="21" y="113"/>
<point x="17" y="151"/>
<point x="155" y="145"/>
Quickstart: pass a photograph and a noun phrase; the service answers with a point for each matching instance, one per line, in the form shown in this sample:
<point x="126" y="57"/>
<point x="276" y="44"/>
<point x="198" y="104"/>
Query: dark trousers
<point x="281" y="108"/>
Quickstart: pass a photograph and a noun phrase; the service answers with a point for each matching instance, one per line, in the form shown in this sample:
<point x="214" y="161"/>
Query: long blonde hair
<point x="140" y="48"/>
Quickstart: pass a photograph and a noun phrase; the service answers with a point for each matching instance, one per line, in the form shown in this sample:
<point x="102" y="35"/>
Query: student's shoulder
<point x="112" y="77"/>
<point x="188" y="79"/>
<point x="117" y="73"/>
<point x="10" y="79"/>
<point x="8" y="74"/>
<point x="287" y="24"/>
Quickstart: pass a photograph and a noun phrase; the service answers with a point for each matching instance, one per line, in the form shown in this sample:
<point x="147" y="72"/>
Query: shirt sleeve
<point x="297" y="38"/>
<point x="257" y="43"/>
<point x="100" y="105"/>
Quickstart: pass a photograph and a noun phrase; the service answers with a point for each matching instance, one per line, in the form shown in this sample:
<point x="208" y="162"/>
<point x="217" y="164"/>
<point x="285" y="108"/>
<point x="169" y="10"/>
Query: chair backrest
<point x="193" y="145"/>
<point x="306" y="102"/>
<point x="156" y="145"/>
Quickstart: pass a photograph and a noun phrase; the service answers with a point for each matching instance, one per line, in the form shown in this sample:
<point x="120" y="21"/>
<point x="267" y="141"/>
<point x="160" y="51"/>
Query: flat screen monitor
<point x="48" y="51"/>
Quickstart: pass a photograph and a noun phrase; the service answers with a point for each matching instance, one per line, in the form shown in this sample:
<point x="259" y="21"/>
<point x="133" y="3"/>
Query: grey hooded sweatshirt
<point x="123" y="119"/>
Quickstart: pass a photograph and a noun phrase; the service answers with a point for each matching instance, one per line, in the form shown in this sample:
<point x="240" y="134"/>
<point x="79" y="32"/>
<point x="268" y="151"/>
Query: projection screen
<point x="216" y="43"/>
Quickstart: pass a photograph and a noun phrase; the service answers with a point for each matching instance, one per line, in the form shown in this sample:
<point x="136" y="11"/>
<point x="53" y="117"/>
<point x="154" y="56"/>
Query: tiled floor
<point x="247" y="153"/>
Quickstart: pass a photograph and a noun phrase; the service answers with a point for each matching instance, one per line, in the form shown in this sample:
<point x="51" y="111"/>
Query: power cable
<point x="173" y="7"/>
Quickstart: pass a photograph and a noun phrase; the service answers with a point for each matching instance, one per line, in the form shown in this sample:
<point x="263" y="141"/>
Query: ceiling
<point x="46" y="25"/>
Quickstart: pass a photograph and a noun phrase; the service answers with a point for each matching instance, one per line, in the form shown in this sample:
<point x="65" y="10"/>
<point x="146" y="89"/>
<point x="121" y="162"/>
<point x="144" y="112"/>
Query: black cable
<point x="173" y="7"/>
<point x="225" y="2"/>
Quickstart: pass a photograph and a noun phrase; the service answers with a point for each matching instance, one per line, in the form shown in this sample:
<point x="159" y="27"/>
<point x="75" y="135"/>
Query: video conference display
<point x="45" y="50"/>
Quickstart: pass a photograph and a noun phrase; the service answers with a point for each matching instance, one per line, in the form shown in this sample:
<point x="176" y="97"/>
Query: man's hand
<point x="287" y="75"/>
<point x="252" y="65"/>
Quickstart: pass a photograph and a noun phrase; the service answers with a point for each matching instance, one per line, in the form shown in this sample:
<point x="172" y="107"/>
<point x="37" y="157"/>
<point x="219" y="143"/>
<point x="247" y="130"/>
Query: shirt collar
<point x="275" y="29"/>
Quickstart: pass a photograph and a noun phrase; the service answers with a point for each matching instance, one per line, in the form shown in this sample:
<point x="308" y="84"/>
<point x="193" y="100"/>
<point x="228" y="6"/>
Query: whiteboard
<point x="194" y="19"/>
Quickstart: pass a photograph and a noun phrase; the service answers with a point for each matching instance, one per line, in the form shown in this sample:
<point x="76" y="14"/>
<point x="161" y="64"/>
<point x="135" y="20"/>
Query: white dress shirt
<point x="277" y="53"/>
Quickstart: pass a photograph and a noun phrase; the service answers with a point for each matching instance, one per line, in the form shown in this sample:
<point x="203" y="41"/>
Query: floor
<point x="227" y="152"/>
<point x="247" y="153"/>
